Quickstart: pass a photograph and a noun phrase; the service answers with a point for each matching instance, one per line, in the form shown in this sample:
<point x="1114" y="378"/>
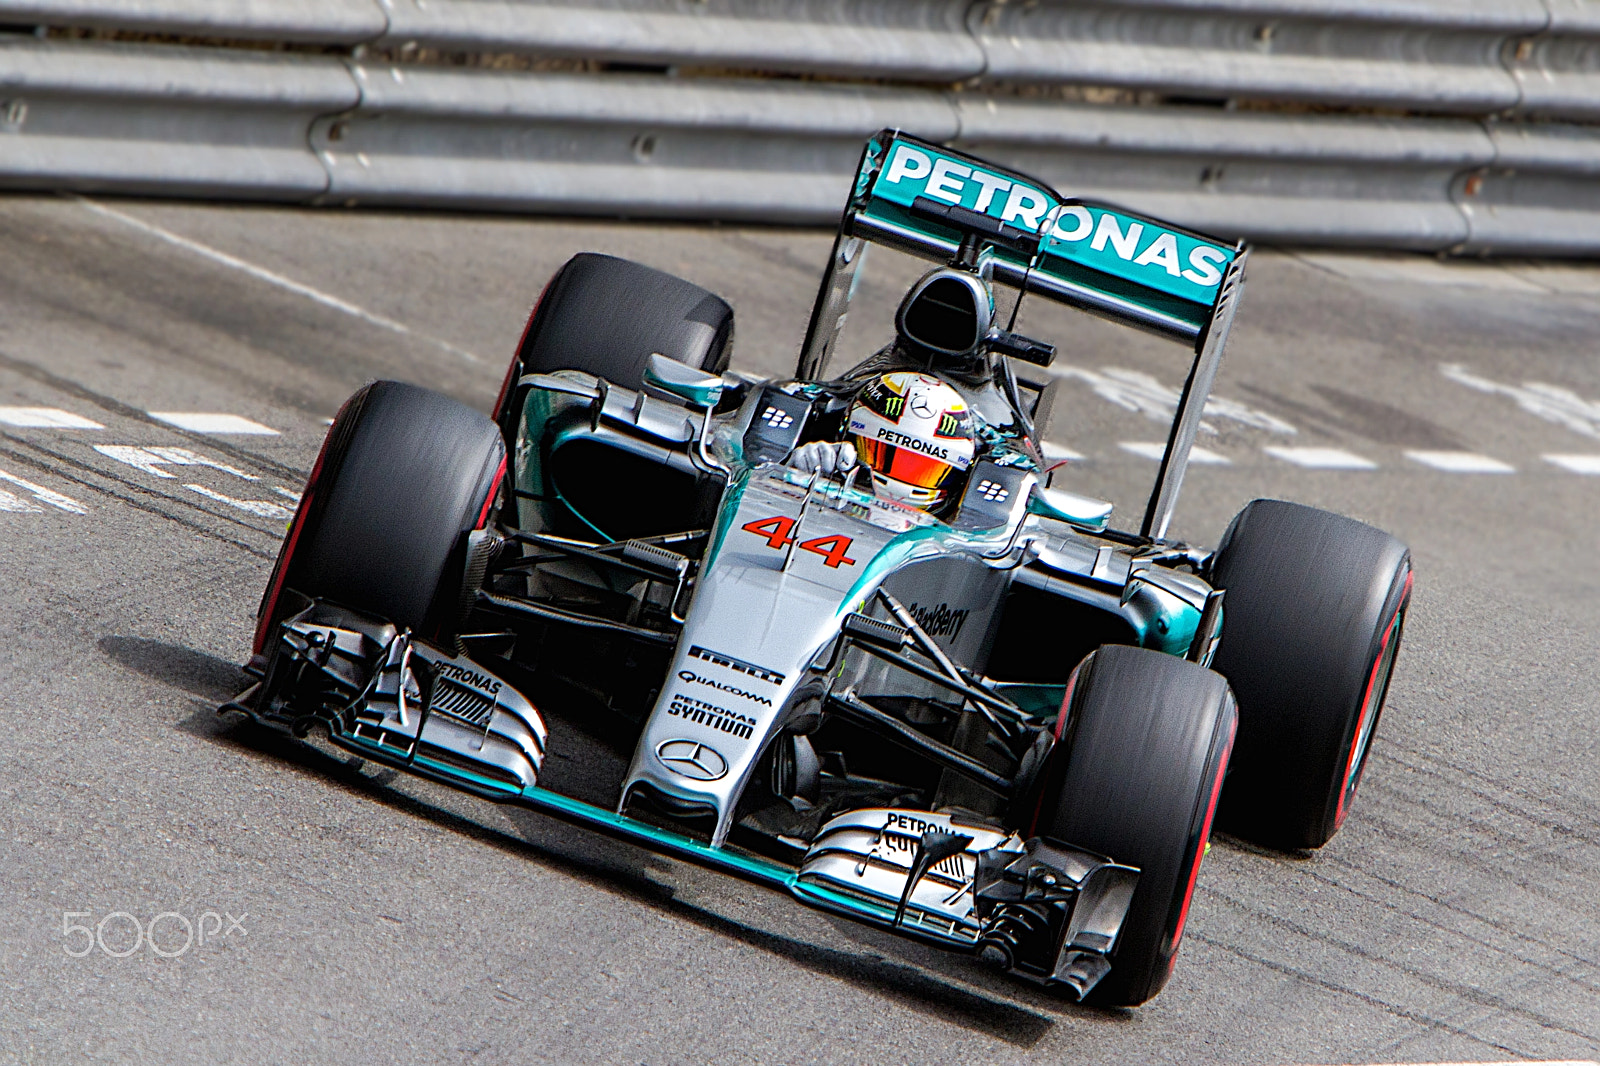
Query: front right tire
<point x="1312" y="614"/>
<point x="404" y="475"/>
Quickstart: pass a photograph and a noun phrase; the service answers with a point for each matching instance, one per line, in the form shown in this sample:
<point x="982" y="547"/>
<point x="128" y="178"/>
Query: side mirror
<point x="681" y="380"/>
<point x="1019" y="347"/>
<point x="1071" y="508"/>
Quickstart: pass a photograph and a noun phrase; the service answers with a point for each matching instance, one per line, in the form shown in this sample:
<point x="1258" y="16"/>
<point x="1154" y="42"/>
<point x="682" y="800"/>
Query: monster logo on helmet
<point x="915" y="434"/>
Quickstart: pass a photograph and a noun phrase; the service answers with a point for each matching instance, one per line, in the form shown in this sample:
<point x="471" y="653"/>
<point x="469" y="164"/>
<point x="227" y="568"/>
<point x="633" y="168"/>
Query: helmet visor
<point x="903" y="464"/>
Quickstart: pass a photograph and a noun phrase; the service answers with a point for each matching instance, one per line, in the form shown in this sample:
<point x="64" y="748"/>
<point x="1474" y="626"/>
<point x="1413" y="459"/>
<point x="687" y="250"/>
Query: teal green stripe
<point x="751" y="867"/>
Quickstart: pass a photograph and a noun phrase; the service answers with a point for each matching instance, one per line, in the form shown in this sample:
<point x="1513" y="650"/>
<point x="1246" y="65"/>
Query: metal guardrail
<point x="1539" y="57"/>
<point x="234" y="122"/>
<point x="333" y="22"/>
<point x="131" y="120"/>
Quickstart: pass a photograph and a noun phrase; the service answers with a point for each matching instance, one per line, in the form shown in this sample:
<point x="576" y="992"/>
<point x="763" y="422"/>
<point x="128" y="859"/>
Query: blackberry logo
<point x="992" y="491"/>
<point x="776" y="418"/>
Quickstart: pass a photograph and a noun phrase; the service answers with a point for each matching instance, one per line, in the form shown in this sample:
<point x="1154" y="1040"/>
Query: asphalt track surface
<point x="372" y="918"/>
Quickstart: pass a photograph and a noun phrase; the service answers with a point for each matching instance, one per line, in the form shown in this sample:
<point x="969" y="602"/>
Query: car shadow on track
<point x="1228" y="840"/>
<point x="905" y="985"/>
<point x="194" y="672"/>
<point x="604" y="863"/>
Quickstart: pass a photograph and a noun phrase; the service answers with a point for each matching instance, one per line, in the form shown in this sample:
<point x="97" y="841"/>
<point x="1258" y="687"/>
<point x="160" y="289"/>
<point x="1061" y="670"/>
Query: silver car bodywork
<point x="790" y="599"/>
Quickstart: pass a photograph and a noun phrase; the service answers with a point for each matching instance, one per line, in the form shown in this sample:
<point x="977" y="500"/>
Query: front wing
<point x="1041" y="909"/>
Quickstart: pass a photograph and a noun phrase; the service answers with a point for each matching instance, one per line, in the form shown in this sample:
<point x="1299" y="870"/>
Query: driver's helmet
<point x="914" y="433"/>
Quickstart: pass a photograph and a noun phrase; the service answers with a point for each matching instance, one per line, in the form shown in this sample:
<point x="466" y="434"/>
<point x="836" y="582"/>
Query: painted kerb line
<point x="271" y="278"/>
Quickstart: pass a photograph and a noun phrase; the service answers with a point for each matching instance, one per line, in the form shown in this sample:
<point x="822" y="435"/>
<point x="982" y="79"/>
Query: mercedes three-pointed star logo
<point x="692" y="759"/>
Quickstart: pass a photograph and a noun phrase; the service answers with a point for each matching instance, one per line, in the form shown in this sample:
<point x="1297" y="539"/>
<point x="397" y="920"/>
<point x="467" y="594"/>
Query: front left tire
<point x="1136" y="773"/>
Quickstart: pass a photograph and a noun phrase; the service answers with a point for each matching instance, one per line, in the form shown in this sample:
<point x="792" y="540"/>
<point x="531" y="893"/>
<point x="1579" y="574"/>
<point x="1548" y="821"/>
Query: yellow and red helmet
<point x="915" y="433"/>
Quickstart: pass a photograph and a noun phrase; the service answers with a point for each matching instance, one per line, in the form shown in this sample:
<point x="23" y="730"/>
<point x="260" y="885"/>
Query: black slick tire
<point x="605" y="316"/>
<point x="1312" y="615"/>
<point x="1135" y="776"/>
<point x="404" y="474"/>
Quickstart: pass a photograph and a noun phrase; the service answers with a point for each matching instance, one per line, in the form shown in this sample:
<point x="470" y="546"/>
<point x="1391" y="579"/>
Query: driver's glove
<point x="825" y="457"/>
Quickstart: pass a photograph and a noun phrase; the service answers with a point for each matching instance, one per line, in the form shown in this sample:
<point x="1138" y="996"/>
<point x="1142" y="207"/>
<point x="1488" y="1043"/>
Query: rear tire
<point x="405" y="474"/>
<point x="605" y="316"/>
<point x="1311" y="622"/>
<point x="1136" y="777"/>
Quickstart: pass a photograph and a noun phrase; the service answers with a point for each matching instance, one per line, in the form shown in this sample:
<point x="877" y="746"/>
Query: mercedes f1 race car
<point x="838" y="635"/>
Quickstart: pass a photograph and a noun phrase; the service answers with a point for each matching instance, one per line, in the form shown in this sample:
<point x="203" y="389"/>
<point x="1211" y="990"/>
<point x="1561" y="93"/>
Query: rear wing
<point x="929" y="200"/>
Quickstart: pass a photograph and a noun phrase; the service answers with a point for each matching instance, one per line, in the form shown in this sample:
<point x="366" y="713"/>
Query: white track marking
<point x="1322" y="458"/>
<point x="148" y="458"/>
<point x="44" y="495"/>
<point x="260" y="508"/>
<point x="263" y="274"/>
<point x="185" y="457"/>
<point x="286" y="494"/>
<point x="1141" y="393"/>
<point x="204" y="422"/>
<point x="1154" y="449"/>
<point x="1578" y="464"/>
<point x="45" y="418"/>
<point x="1461" y="462"/>
<point x="11" y="503"/>
<point x="1056" y="453"/>
<point x="1553" y="403"/>
<point x="134" y="456"/>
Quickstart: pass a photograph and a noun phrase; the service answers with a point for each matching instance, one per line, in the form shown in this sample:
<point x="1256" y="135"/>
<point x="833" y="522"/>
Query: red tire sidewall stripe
<point x="1368" y="709"/>
<point x="1205" y="835"/>
<point x="280" y="572"/>
<point x="489" y="498"/>
<point x="1061" y="721"/>
<point x="505" y="385"/>
<point x="516" y="355"/>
